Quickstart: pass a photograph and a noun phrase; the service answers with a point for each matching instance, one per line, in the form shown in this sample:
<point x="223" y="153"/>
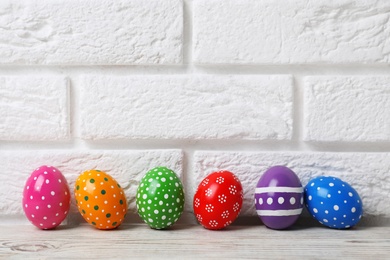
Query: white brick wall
<point x="292" y="31"/>
<point x="34" y="108"/>
<point x="91" y="32"/>
<point x="249" y="84"/>
<point x="187" y="107"/>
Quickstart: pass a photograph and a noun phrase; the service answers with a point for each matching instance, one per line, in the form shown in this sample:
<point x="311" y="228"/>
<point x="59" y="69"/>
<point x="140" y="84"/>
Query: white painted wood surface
<point x="193" y="242"/>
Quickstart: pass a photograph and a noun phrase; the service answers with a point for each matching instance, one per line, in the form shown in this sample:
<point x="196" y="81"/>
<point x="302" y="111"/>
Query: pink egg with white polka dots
<point x="46" y="197"/>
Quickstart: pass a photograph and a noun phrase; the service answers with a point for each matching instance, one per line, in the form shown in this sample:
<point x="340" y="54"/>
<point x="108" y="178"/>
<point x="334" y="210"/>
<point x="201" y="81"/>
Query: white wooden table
<point x="192" y="241"/>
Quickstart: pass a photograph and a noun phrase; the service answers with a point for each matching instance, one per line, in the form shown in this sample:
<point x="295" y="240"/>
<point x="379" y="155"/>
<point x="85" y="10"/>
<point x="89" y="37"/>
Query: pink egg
<point x="46" y="197"/>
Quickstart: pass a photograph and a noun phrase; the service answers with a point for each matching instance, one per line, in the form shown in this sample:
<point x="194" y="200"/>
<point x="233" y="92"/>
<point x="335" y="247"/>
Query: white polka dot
<point x="156" y="211"/>
<point x="52" y="193"/>
<point x="326" y="212"/>
<point x="318" y="188"/>
<point x="166" y="196"/>
<point x="150" y="201"/>
<point x="353" y="210"/>
<point x="350" y="194"/>
<point x="312" y="184"/>
<point x="37" y="207"/>
<point x="331" y="184"/>
<point x="269" y="201"/>
<point x="49" y="206"/>
<point x="345" y="201"/>
<point x="43" y="197"/>
<point x="32" y="216"/>
<point x="47" y="181"/>
<point x="44" y="217"/>
<point x="59" y="180"/>
<point x="31" y="197"/>
<point x="336" y="207"/>
<point x="261" y="201"/>
<point x="280" y="200"/>
<point x="315" y="210"/>
<point x="161" y="202"/>
<point x="334" y="218"/>
<point x="329" y="195"/>
<point x="144" y="196"/>
<point x="150" y="220"/>
<point x="163" y="179"/>
<point x="310" y="197"/>
<point x="28" y="187"/>
<point x="325" y="220"/>
<point x="292" y="200"/>
<point x="163" y="217"/>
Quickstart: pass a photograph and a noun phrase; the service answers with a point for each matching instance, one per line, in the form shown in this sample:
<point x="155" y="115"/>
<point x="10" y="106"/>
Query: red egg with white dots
<point x="46" y="197"/>
<point x="218" y="200"/>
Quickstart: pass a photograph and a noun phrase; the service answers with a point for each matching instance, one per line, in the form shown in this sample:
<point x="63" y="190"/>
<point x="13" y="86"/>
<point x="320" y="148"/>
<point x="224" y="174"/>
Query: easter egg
<point x="160" y="198"/>
<point x="100" y="199"/>
<point x="333" y="202"/>
<point x="46" y="197"/>
<point x="279" y="197"/>
<point x="218" y="200"/>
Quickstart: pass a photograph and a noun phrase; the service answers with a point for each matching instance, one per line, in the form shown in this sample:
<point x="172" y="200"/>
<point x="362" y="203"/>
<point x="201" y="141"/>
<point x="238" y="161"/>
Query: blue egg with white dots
<point x="333" y="202"/>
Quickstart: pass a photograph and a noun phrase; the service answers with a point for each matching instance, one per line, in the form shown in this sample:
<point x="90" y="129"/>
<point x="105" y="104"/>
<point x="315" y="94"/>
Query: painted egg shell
<point x="218" y="200"/>
<point x="160" y="198"/>
<point x="100" y="199"/>
<point x="333" y="203"/>
<point x="279" y="197"/>
<point x="46" y="197"/>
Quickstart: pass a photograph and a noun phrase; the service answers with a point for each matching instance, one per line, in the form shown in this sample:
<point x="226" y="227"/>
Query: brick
<point x="127" y="167"/>
<point x="99" y="32"/>
<point x="368" y="173"/>
<point x="34" y="108"/>
<point x="347" y="108"/>
<point x="291" y="32"/>
<point x="187" y="107"/>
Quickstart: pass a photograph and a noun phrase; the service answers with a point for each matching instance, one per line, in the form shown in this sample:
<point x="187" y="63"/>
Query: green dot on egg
<point x="121" y="202"/>
<point x="93" y="223"/>
<point x="106" y="179"/>
<point x="114" y="224"/>
<point x="108" y="215"/>
<point x="103" y="192"/>
<point x="96" y="207"/>
<point x="92" y="180"/>
<point x="86" y="198"/>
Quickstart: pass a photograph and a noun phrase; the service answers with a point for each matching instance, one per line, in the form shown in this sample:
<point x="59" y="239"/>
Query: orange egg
<point x="100" y="199"/>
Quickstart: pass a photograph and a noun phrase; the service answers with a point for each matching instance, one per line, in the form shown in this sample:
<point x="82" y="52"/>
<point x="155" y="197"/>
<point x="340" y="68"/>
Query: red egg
<point x="218" y="200"/>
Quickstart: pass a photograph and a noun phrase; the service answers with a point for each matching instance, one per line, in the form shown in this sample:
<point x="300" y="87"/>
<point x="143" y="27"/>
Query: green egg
<point x="160" y="198"/>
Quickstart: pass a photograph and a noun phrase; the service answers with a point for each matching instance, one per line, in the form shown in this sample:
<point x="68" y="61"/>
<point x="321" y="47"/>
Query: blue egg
<point x="333" y="203"/>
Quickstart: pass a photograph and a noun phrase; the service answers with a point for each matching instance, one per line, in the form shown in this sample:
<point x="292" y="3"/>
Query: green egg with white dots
<point x="160" y="198"/>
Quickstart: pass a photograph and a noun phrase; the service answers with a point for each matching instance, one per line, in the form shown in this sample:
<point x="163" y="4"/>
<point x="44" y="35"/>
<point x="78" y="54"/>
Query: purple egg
<point x="279" y="197"/>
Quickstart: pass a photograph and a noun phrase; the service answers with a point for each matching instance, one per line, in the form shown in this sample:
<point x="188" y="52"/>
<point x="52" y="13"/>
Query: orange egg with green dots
<point x="100" y="199"/>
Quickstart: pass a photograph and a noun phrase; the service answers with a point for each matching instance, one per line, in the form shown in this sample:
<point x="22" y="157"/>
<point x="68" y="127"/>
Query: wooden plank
<point x="193" y="241"/>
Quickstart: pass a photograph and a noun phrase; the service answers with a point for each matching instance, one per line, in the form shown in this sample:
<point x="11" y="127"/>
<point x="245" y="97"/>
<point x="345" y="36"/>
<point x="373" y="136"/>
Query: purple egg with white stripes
<point x="279" y="197"/>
